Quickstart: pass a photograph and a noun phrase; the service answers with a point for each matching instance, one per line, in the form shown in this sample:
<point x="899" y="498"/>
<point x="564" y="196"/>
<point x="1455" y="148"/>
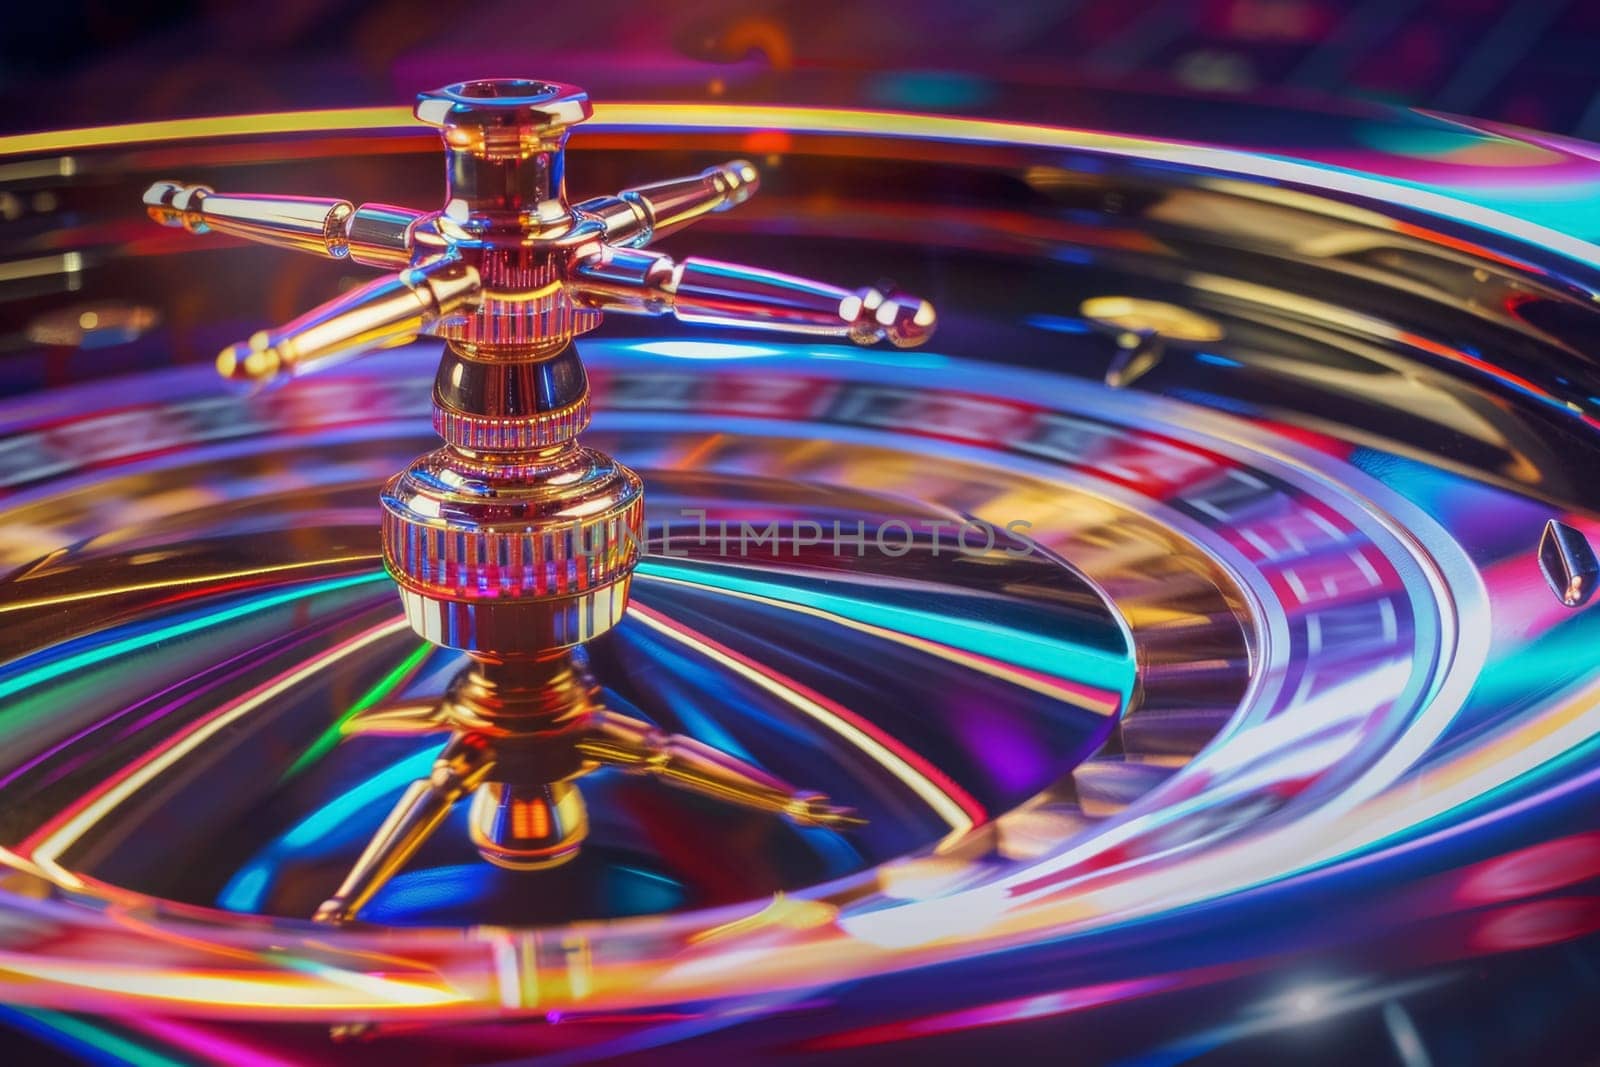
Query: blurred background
<point x="1533" y="63"/>
<point x="1325" y="82"/>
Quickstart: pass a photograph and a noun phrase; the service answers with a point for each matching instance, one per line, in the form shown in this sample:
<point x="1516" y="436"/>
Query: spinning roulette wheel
<point x="1186" y="650"/>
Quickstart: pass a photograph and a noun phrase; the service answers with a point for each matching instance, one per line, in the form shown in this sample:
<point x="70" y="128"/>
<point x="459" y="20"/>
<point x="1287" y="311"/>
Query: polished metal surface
<point x="513" y="543"/>
<point x="374" y="235"/>
<point x="512" y="510"/>
<point x="538" y="403"/>
<point x="1003" y="629"/>
<point x="381" y="312"/>
<point x="635" y="217"/>
<point x="1142" y="329"/>
<point x="541" y="526"/>
<point x="1284" y="647"/>
<point x="1568" y="562"/>
<point x="508" y="268"/>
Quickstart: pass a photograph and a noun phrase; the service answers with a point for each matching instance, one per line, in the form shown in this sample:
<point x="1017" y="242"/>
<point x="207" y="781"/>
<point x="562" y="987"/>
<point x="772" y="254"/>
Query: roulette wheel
<point x="1186" y="651"/>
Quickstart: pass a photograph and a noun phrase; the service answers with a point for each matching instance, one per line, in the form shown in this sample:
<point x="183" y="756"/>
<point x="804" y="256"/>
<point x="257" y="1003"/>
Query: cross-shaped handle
<point x="508" y="265"/>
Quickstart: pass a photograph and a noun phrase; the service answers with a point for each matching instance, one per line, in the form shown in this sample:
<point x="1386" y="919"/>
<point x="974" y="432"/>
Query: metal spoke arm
<point x="526" y="269"/>
<point x="635" y="217"/>
<point x="630" y="745"/>
<point x="376" y="235"/>
<point x="383" y="312"/>
<point x="460" y="768"/>
<point x="728" y="294"/>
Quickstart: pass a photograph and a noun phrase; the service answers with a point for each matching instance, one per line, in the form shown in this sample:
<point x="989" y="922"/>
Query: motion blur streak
<point x="72" y="823"/>
<point x="1392" y="178"/>
<point x="942" y="795"/>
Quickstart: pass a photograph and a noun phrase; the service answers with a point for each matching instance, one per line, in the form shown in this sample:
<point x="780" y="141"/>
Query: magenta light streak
<point x="207" y="1044"/>
<point x="55" y="749"/>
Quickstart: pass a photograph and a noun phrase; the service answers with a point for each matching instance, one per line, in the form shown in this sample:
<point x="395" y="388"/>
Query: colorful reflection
<point x="1380" y="725"/>
<point x="1280" y="724"/>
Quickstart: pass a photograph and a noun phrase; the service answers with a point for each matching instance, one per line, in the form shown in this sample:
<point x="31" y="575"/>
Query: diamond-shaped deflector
<point x="1568" y="563"/>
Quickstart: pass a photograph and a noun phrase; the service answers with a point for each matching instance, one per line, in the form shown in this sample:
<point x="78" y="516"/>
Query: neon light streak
<point x="175" y="583"/>
<point x="49" y="671"/>
<point x="1465" y="204"/>
<point x="848" y="612"/>
<point x="949" y="800"/>
<point x="386" y="685"/>
<point x="76" y="821"/>
<point x="94" y="1043"/>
